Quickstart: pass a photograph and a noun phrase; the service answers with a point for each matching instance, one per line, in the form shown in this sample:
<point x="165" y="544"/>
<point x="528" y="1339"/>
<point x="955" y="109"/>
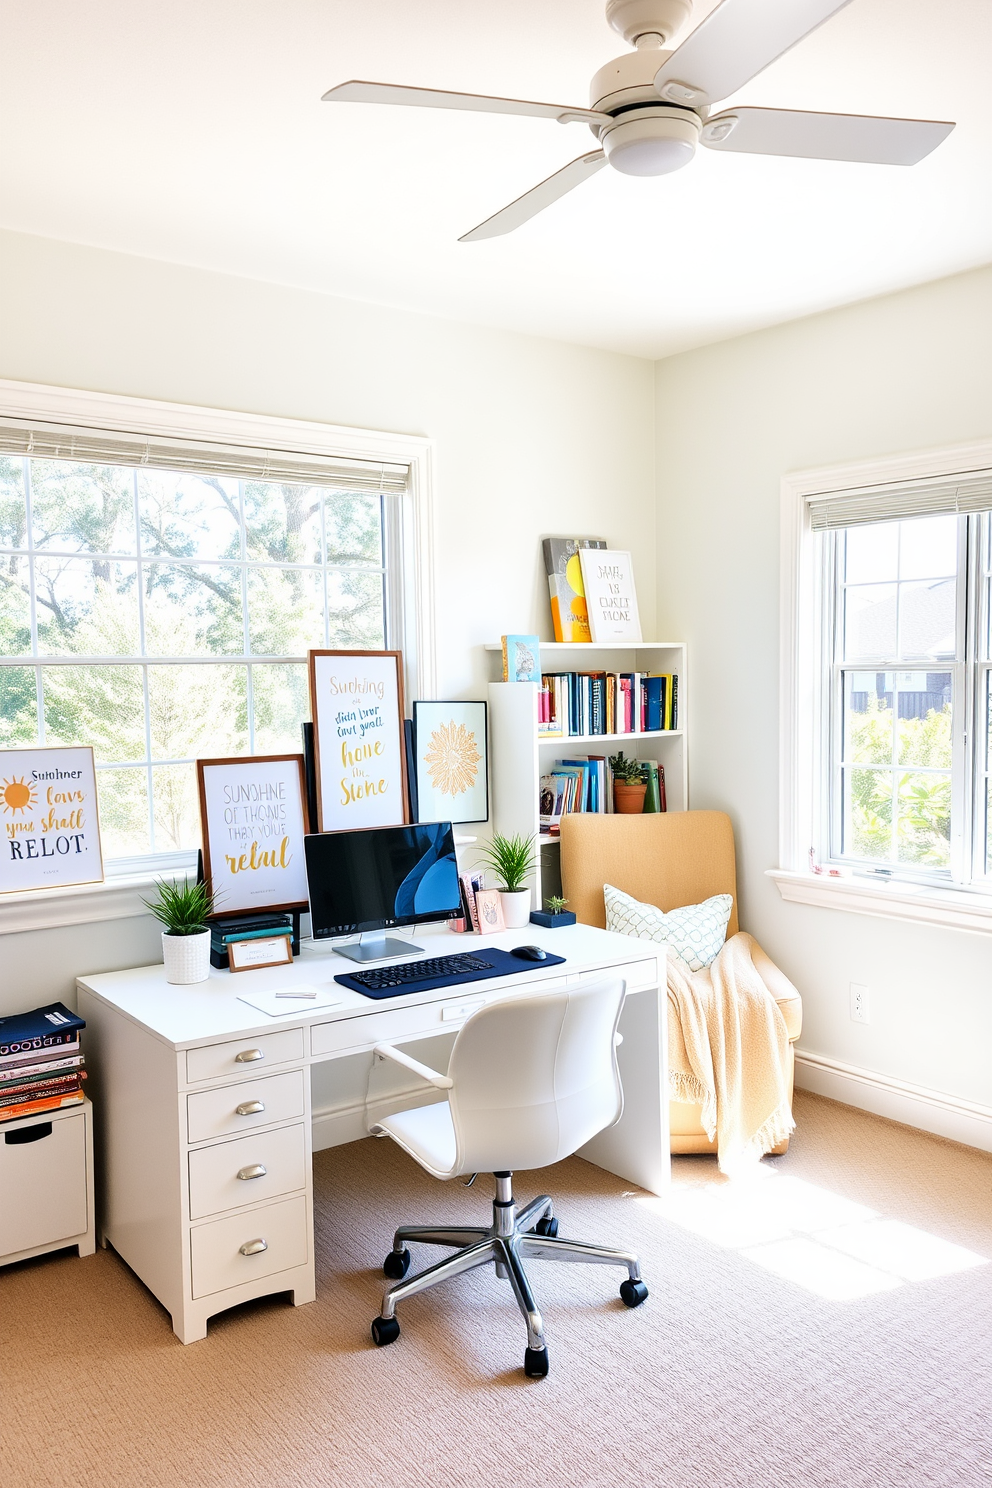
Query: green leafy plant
<point x="628" y="771"/>
<point x="556" y="904"/>
<point x="512" y="859"/>
<point x="183" y="908"/>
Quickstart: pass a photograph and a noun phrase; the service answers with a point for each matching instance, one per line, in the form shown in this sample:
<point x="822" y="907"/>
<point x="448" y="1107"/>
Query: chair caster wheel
<point x="633" y="1293"/>
<point x="536" y="1363"/>
<point x="396" y="1264"/>
<point x="547" y="1227"/>
<point x="384" y="1330"/>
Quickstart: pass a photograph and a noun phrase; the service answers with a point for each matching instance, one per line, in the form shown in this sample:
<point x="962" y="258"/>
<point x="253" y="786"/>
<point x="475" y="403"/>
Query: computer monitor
<point x="378" y="878"/>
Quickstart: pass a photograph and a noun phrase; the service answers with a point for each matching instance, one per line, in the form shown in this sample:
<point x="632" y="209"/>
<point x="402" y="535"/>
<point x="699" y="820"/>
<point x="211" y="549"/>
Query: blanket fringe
<point x="779" y="1125"/>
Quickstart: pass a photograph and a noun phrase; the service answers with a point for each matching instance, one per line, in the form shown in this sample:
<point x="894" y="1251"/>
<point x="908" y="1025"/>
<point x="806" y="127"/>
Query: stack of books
<point x="259" y="926"/>
<point x="585" y="783"/>
<point x="41" y="1068"/>
<point x="582" y="704"/>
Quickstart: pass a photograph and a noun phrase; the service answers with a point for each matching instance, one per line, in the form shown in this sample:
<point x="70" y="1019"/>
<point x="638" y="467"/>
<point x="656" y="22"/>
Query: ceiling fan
<point x="651" y="107"/>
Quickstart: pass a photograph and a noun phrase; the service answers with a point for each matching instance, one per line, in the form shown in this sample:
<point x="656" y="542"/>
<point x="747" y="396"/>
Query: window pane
<point x="926" y="620"/>
<point x="197" y="711"/>
<point x="281" y="705"/>
<point x="87" y="607"/>
<point x="355" y="610"/>
<point x="354" y="528"/>
<point x="13" y="511"/>
<point x="285" y="610"/>
<point x="193" y="609"/>
<point x="82" y="508"/>
<point x="868" y="813"/>
<point x="15" y="606"/>
<point x="177" y="812"/>
<point x="18" y="707"/>
<point x="872" y="553"/>
<point x="282" y="523"/>
<point x="870" y="621"/>
<point x="924" y="713"/>
<point x="924" y="826"/>
<point x="188" y="516"/>
<point x="868" y="718"/>
<point x="123" y="796"/>
<point x="98" y="705"/>
<point x="928" y="547"/>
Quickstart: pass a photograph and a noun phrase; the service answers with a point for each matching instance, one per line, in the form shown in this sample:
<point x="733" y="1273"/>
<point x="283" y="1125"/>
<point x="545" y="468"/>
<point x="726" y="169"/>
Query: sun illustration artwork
<point x="452" y="759"/>
<point x="18" y="795"/>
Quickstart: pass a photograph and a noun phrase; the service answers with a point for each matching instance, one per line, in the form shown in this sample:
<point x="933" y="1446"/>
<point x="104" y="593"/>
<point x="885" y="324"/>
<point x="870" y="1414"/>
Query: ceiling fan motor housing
<point x="636" y="18"/>
<point x="651" y="141"/>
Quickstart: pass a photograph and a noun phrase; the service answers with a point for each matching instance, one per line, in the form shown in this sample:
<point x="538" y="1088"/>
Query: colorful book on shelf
<point x="36" y="1107"/>
<point x="568" y="604"/>
<point x="521" y="658"/>
<point x="32" y="1090"/>
<point x="43" y="1028"/>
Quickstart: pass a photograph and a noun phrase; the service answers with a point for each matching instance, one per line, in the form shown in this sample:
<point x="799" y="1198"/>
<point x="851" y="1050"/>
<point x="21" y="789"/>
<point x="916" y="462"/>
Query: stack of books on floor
<point x="41" y="1067"/>
<point x="259" y="926"/>
<point x="581" y="704"/>
<point x="585" y="783"/>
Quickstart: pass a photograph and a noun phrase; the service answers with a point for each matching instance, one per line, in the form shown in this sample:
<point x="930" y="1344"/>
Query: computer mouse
<point x="530" y="953"/>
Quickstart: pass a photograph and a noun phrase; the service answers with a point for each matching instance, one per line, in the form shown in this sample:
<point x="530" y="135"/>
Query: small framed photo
<point x="249" y="955"/>
<point x="451" y="761"/>
<point x="490" y="907"/>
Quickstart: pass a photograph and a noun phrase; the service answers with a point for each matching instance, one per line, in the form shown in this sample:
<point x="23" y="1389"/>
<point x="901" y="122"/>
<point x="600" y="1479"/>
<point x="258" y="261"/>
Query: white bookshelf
<point x="519" y="756"/>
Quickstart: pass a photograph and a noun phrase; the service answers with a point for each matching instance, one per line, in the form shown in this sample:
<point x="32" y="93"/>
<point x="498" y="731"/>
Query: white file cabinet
<point x="46" y="1183"/>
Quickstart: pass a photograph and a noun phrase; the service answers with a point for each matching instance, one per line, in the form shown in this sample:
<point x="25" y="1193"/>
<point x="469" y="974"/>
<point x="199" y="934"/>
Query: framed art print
<point x="50" y="823"/>
<point x="611" y="599"/>
<point x="452" y="768"/>
<point x="356" y="700"/>
<point x="253" y="818"/>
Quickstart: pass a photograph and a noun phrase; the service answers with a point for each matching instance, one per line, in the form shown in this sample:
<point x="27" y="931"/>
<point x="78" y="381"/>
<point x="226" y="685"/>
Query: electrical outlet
<point x="859" y="1003"/>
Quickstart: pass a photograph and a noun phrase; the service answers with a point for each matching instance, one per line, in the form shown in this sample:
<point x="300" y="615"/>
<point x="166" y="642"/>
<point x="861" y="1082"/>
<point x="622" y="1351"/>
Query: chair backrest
<point x="664" y="858"/>
<point x="534" y="1078"/>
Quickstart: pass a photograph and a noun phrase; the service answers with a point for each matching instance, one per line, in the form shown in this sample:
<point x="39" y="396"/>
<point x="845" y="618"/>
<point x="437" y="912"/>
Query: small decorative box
<point x="552" y="921"/>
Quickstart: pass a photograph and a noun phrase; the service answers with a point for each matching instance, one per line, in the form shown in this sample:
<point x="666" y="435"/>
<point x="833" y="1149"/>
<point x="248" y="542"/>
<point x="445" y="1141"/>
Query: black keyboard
<point x="419" y="971"/>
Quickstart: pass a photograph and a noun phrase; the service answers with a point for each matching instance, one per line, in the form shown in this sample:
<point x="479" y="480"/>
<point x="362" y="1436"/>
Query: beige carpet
<point x="827" y="1324"/>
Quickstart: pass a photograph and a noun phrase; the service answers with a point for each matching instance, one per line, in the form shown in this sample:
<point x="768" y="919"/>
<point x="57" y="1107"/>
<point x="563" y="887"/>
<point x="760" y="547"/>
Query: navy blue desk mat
<point x="503" y="963"/>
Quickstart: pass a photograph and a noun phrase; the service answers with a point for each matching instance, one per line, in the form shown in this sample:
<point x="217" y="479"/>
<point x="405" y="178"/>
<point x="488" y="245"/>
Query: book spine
<point x="661" y="788"/>
<point x="36" y="1068"/>
<point x="35" y="1107"/>
<point x="675" y="703"/>
<point x="39" y="1089"/>
<point x="468" y="889"/>
<point x="43" y="1077"/>
<point x="506" y="660"/>
<point x="34" y="1052"/>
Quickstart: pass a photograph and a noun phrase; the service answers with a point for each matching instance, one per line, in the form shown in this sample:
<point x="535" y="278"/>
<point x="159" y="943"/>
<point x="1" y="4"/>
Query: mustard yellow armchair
<point x="669" y="860"/>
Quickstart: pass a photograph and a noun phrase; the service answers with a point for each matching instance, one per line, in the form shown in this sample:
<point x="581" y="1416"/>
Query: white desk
<point x="205" y="1122"/>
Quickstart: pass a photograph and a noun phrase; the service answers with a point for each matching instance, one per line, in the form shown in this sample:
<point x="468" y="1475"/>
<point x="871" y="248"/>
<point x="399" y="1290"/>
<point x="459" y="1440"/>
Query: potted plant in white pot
<point x="184" y="909"/>
<point x="512" y="859"/>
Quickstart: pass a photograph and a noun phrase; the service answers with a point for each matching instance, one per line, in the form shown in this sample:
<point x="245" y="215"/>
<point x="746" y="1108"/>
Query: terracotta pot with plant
<point x="184" y="909"/>
<point x="512" y="859"/>
<point x="629" y="785"/>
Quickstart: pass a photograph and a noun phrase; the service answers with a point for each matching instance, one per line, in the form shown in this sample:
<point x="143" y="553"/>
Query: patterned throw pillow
<point x="696" y="932"/>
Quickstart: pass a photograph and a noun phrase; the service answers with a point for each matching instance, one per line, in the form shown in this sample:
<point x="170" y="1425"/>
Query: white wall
<point x="532" y="437"/>
<point x="908" y="371"/>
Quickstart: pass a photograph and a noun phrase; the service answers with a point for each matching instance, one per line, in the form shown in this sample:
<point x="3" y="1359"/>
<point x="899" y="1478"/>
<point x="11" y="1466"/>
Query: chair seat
<point x="427" y="1134"/>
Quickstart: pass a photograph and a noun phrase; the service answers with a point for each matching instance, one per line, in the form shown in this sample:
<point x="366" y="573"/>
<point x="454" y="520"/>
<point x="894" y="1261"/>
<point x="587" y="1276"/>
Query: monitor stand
<point x="377" y="947"/>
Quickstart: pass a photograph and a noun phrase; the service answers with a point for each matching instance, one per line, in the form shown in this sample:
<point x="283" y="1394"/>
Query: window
<point x="161" y="614"/>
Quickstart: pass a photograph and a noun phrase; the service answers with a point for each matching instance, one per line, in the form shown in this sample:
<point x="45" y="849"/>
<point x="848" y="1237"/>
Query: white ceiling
<point x="192" y="131"/>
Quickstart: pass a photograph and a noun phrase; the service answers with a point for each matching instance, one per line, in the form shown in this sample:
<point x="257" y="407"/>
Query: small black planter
<point x="552" y="921"/>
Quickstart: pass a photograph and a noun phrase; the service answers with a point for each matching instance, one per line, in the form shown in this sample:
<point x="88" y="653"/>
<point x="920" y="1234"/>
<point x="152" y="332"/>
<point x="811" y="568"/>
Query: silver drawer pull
<point x="253" y="1247"/>
<point x="249" y="1108"/>
<point x="255" y="1171"/>
<point x="248" y="1056"/>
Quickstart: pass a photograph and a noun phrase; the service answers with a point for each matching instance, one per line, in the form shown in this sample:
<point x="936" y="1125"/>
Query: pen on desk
<point x="295" y="994"/>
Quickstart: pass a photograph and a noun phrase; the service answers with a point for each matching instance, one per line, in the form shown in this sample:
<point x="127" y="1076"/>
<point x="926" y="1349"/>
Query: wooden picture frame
<point x="251" y="955"/>
<point x="49" y="818"/>
<point x="356" y="703"/>
<point x="452" y="761"/>
<point x="271" y="852"/>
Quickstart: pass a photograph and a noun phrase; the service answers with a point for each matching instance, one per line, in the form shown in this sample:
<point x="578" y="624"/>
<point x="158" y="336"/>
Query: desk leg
<point x="637" y="1148"/>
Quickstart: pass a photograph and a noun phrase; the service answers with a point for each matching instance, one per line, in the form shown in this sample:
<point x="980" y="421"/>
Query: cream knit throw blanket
<point x="727" y="1051"/>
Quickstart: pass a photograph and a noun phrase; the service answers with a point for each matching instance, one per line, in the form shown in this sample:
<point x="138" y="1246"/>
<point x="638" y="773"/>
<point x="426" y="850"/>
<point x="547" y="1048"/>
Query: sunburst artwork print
<point x="452" y="759"/>
<point x="18" y="796"/>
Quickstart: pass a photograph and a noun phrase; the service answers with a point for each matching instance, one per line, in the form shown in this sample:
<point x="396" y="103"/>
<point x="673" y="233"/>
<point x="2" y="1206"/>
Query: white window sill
<point x="78" y="904"/>
<point x="959" y="909"/>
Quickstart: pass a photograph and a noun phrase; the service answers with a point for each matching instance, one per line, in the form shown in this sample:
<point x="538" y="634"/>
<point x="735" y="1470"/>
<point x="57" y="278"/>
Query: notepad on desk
<point x="283" y="1002"/>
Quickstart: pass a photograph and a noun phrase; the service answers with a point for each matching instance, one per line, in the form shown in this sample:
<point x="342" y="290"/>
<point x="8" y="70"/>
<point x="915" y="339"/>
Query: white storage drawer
<point x="42" y="1181"/>
<point x="274" y="1237"/>
<point x="231" y="1109"/>
<point x="248" y="1054"/>
<point x="634" y="973"/>
<point x="227" y="1176"/>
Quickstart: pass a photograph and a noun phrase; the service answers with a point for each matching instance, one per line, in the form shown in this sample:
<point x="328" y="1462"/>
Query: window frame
<point x="806" y="658"/>
<point x="409" y="596"/>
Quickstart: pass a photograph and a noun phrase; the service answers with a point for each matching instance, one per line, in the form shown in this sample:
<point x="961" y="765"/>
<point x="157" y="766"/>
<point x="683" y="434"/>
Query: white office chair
<point x="530" y="1080"/>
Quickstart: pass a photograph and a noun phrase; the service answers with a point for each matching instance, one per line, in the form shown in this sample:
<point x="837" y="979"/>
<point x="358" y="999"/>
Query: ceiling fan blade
<point x="535" y="200"/>
<point x="860" y="137"/>
<point x="736" y="41"/>
<point x="360" y="92"/>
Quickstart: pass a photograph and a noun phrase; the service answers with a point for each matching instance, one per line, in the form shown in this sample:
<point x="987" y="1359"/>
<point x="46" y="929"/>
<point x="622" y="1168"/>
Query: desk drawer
<point x="247" y="1055"/>
<point x="217" y="1261"/>
<point x="410" y="1022"/>
<point x="42" y="1182"/>
<point x="635" y="974"/>
<point x="226" y="1176"/>
<point x="214" y="1113"/>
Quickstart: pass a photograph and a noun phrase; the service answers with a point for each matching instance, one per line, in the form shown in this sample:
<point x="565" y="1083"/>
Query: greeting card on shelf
<point x="253" y="819"/>
<point x="521" y="658"/>
<point x="568" y="604"/>
<point x="490" y="908"/>
<point x="611" y="600"/>
<point x="51" y="829"/>
<point x="356" y="698"/>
